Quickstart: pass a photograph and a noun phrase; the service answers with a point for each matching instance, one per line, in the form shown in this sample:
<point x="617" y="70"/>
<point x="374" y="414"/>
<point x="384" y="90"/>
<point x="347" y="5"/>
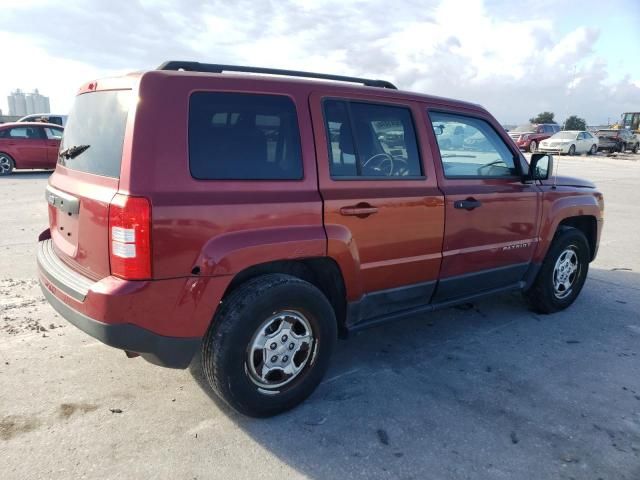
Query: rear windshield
<point x="99" y="120"/>
<point x="240" y="136"/>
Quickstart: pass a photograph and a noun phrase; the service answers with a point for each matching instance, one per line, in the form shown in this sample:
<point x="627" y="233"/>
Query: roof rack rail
<point x="216" y="68"/>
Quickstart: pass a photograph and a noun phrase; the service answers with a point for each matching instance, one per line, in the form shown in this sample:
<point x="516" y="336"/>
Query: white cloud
<point x="515" y="67"/>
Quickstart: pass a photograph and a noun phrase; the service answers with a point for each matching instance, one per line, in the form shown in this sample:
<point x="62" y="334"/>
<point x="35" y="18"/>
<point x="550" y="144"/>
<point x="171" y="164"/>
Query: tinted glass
<point x="471" y="148"/>
<point x="53" y="133"/>
<point x="237" y="136"/>
<point x="370" y="140"/>
<point x="31" y="133"/>
<point x="97" y="119"/>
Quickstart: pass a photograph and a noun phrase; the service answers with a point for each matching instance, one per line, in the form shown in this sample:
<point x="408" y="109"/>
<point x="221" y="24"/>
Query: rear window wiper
<point x="73" y="152"/>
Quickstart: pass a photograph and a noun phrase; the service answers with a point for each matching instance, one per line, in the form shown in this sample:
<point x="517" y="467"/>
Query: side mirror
<point x="540" y="167"/>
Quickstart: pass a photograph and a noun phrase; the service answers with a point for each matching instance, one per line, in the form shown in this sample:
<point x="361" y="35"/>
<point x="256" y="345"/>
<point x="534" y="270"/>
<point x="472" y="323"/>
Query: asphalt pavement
<point x="487" y="390"/>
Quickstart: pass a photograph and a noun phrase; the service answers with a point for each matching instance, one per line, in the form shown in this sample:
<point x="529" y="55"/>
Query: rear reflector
<point x="130" y="237"/>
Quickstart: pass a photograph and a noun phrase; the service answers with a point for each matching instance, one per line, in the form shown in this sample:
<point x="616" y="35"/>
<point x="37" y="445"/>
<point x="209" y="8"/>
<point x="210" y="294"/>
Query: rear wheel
<point x="269" y="344"/>
<point x="572" y="150"/>
<point x="636" y="147"/>
<point x="563" y="272"/>
<point x="533" y="146"/>
<point x="593" y="150"/>
<point x="6" y="164"/>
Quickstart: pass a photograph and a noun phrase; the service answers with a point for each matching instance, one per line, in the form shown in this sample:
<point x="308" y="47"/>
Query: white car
<point x="570" y="142"/>
<point x="46" y="117"/>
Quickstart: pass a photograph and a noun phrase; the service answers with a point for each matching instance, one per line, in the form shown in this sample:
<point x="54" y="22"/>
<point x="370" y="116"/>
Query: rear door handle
<point x="361" y="210"/>
<point x="468" y="204"/>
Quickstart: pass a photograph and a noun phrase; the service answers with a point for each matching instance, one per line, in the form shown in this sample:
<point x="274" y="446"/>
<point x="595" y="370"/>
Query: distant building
<point x="21" y="103"/>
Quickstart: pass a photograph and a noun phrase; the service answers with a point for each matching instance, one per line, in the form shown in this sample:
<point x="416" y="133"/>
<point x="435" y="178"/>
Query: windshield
<point x="97" y="121"/>
<point x="525" y="128"/>
<point x="565" y="135"/>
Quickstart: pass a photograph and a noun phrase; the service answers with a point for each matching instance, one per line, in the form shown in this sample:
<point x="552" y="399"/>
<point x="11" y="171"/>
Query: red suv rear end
<point x="96" y="260"/>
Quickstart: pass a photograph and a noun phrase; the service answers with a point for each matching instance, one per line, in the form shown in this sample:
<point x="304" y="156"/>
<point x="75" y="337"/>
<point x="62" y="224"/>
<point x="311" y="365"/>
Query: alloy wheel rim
<point x="565" y="273"/>
<point x="280" y="349"/>
<point x="5" y="164"/>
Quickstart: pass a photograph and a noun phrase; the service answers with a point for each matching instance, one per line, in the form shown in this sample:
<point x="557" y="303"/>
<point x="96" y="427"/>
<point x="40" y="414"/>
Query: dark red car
<point x="528" y="137"/>
<point x="28" y="145"/>
<point x="258" y="217"/>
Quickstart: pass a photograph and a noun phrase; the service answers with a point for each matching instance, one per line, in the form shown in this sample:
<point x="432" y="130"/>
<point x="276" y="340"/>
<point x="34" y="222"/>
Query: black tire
<point x="593" y="150"/>
<point x="7" y="164"/>
<point x="225" y="348"/>
<point x="542" y="295"/>
<point x="623" y="147"/>
<point x="636" y="147"/>
<point x="572" y="150"/>
<point x="533" y="146"/>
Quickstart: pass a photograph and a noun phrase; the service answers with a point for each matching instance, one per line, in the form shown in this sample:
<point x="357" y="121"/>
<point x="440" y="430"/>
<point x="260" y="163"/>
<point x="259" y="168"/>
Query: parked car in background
<point x="28" y="145"/>
<point x="254" y="217"/>
<point x="612" y="140"/>
<point x="528" y="137"/>
<point x="570" y="142"/>
<point x="46" y="118"/>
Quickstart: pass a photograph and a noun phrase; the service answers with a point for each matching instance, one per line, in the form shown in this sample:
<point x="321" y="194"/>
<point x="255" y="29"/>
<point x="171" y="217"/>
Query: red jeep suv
<point x="258" y="217"/>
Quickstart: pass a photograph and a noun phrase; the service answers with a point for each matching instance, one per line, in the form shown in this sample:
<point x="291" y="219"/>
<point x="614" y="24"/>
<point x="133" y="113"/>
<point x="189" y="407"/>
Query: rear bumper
<point x="172" y="352"/>
<point x="162" y="320"/>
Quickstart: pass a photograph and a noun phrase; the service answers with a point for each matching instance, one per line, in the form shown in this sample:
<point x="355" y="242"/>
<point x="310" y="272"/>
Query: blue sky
<point x="515" y="58"/>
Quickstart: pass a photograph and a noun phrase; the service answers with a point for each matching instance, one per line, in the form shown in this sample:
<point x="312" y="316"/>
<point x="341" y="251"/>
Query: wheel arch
<point x="322" y="272"/>
<point x="588" y="225"/>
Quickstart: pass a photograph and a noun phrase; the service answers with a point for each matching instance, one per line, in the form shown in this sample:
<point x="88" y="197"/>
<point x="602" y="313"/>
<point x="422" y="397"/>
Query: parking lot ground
<point x="488" y="390"/>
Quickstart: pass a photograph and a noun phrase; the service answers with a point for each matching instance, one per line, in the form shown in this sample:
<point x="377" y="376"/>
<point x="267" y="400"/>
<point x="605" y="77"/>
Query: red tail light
<point x="130" y="237"/>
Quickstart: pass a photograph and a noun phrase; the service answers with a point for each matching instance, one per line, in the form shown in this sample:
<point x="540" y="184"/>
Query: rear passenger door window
<point x="236" y="136"/>
<point x="370" y="140"/>
<point x="471" y="148"/>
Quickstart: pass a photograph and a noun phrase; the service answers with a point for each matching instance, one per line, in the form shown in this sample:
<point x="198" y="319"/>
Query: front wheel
<point x="533" y="146"/>
<point x="269" y="344"/>
<point x="593" y="150"/>
<point x="572" y="150"/>
<point x="563" y="272"/>
<point x="6" y="164"/>
<point x="636" y="147"/>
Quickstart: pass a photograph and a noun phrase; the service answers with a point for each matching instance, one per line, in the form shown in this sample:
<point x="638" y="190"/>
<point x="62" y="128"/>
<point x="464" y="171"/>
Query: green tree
<point x="575" y="123"/>
<point x="544" y="117"/>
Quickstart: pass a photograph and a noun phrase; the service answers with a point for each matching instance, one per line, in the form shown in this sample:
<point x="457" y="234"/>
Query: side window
<point x="370" y="140"/>
<point x="53" y="133"/>
<point x="471" y="148"/>
<point x="242" y="136"/>
<point x="23" y="132"/>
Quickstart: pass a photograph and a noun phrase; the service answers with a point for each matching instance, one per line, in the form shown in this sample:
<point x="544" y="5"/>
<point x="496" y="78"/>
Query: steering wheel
<point x="491" y="164"/>
<point x="384" y="164"/>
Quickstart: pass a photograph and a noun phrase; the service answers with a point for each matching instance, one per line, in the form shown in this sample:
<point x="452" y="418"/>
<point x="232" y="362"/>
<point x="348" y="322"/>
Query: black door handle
<point x="468" y="204"/>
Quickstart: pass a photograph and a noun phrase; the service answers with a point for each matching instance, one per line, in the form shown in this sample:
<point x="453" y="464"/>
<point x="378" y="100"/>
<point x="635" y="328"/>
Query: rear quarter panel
<point x="224" y="226"/>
